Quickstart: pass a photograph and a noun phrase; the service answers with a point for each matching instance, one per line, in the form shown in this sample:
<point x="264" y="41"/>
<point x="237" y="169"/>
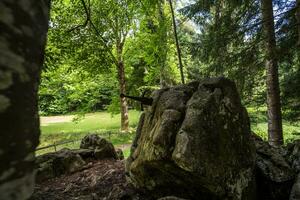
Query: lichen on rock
<point x="195" y="141"/>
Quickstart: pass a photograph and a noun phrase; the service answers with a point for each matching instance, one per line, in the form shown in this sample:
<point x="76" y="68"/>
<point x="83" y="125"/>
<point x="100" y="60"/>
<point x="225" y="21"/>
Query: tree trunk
<point x="177" y="42"/>
<point x="122" y="87"/>
<point x="162" y="32"/>
<point x="298" y="20"/>
<point x="219" y="46"/>
<point x="275" y="135"/>
<point x="23" y="29"/>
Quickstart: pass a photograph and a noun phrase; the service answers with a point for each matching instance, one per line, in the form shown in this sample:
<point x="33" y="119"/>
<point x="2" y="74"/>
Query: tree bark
<point x="177" y="42"/>
<point x="23" y="29"/>
<point x="122" y="87"/>
<point x="163" y="44"/>
<point x="298" y="20"/>
<point x="275" y="135"/>
<point x="218" y="42"/>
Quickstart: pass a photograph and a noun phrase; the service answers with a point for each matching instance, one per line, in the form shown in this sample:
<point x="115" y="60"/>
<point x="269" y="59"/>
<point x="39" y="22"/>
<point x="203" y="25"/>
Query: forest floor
<point x="104" y="179"/>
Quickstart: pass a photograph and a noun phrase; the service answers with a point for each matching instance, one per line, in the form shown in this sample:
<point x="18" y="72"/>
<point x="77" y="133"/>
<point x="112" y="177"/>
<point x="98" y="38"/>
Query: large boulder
<point x="58" y="163"/>
<point x="68" y="161"/>
<point x="194" y="142"/>
<point x="274" y="175"/>
<point x="102" y="148"/>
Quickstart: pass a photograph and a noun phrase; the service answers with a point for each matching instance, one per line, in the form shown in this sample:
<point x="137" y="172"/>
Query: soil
<point x="104" y="179"/>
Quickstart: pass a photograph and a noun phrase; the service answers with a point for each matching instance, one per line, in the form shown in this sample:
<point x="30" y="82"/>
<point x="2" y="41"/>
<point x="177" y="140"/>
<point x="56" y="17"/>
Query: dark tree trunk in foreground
<point x="177" y="42"/>
<point x="122" y="87"/>
<point x="23" y="28"/>
<point x="275" y="135"/>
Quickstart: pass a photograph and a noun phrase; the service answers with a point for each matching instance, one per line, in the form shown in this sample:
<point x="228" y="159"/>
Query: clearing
<point x="57" y="129"/>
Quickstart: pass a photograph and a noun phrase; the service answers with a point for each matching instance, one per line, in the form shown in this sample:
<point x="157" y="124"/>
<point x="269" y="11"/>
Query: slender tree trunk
<point x="23" y="29"/>
<point x="219" y="44"/>
<point x="275" y="135"/>
<point x="298" y="20"/>
<point x="122" y="87"/>
<point x="162" y="33"/>
<point x="177" y="42"/>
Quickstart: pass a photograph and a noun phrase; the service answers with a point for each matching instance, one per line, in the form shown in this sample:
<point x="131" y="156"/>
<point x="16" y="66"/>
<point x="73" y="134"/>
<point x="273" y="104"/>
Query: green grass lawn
<point x="258" y="118"/>
<point x="58" y="129"/>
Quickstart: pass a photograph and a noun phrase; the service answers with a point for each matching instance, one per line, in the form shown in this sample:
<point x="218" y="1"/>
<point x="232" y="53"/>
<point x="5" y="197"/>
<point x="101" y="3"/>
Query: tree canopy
<point x="98" y="49"/>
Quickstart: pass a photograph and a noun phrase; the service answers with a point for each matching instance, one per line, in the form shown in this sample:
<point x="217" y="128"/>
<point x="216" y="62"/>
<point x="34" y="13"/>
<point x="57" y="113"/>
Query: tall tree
<point x="275" y="135"/>
<point x="112" y="20"/>
<point x="298" y="19"/>
<point x="177" y="41"/>
<point x="23" y="28"/>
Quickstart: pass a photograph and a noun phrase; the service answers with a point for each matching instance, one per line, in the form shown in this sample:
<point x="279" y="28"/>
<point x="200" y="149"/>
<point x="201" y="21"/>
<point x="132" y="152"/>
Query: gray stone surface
<point x="195" y="141"/>
<point x="102" y="148"/>
<point x="274" y="175"/>
<point x="85" y="154"/>
<point x="55" y="164"/>
<point x="294" y="156"/>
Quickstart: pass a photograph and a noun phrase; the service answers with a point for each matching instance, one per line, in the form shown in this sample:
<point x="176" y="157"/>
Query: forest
<point x="97" y="50"/>
<point x="150" y="99"/>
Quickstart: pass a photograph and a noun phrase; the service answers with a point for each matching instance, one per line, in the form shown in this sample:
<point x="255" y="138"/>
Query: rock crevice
<point x="195" y="138"/>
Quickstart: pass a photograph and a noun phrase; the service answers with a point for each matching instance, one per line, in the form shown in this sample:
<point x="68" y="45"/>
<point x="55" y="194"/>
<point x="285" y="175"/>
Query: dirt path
<point x="123" y="146"/>
<point x="56" y="119"/>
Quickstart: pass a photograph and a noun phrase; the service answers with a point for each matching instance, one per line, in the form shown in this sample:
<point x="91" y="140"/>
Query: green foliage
<point x="229" y="42"/>
<point x="258" y="118"/>
<point x="65" y="90"/>
<point x="216" y="38"/>
<point x="151" y="52"/>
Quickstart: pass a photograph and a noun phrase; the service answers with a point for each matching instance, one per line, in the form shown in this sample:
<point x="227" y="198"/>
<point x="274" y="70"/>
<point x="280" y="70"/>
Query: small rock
<point x="102" y="148"/>
<point x="92" y="141"/>
<point x="67" y="162"/>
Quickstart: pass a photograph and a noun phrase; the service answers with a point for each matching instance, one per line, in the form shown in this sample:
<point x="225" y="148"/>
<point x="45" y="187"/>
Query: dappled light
<point x="149" y="100"/>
